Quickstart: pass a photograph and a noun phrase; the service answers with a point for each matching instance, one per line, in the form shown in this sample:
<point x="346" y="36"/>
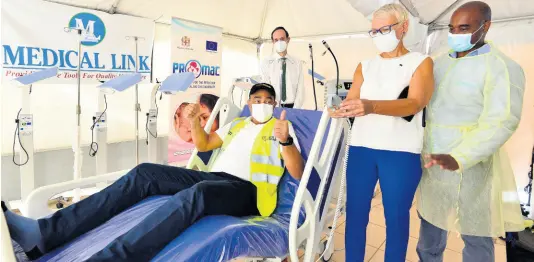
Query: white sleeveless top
<point x="384" y="79"/>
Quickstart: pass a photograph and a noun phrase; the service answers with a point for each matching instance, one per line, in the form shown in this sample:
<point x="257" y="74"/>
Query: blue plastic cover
<point x="316" y="75"/>
<point x="213" y="238"/>
<point x="122" y="83"/>
<point x="37" y="76"/>
<point x="177" y="82"/>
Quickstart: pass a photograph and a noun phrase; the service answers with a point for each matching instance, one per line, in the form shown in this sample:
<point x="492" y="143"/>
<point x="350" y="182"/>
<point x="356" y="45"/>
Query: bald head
<point x="479" y="9"/>
<point x="472" y="18"/>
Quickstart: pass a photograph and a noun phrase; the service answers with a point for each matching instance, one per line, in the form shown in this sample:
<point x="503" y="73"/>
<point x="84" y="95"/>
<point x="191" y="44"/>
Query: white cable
<point x="340" y="195"/>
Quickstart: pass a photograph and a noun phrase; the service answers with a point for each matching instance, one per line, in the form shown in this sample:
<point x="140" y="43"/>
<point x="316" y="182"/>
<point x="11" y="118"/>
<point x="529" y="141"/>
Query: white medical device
<point x="177" y="82"/>
<point x="98" y="147"/>
<point x="244" y="84"/>
<point x="330" y="97"/>
<point x="25" y="126"/>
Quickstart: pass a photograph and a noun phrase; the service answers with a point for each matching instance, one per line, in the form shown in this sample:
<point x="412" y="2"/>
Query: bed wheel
<point x="327" y="255"/>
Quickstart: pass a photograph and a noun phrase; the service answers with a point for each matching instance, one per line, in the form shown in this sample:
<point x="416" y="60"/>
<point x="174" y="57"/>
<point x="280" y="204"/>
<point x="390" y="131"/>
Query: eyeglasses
<point x="383" y="30"/>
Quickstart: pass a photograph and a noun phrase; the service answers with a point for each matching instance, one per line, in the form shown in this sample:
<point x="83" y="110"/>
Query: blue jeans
<point x="433" y="240"/>
<point x="195" y="195"/>
<point x="399" y="174"/>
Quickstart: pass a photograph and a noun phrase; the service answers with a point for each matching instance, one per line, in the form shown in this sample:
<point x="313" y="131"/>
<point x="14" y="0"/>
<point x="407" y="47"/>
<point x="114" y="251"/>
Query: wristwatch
<point x="289" y="142"/>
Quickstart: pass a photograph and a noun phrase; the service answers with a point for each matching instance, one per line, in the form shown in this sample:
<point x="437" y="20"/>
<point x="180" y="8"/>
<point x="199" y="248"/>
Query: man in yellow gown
<point x="468" y="185"/>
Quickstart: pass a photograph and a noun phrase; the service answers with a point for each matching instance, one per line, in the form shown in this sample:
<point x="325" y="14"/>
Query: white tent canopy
<point x="303" y="18"/>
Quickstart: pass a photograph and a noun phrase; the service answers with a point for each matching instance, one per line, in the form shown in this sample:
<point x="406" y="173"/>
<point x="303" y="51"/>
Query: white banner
<point x="195" y="48"/>
<point x="35" y="36"/>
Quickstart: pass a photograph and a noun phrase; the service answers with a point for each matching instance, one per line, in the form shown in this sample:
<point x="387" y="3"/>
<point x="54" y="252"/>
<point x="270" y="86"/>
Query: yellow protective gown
<point x="475" y="108"/>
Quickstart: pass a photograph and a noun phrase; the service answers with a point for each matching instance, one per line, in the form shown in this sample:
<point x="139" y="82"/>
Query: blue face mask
<point x="462" y="42"/>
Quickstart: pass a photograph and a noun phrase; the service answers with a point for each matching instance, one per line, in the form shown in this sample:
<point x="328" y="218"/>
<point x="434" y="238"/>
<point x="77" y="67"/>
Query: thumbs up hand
<point x="281" y="128"/>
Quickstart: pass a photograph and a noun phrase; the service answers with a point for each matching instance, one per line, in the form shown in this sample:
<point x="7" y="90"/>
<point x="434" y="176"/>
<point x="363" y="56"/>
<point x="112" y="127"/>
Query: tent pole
<point x="340" y="35"/>
<point x="446" y="11"/>
<point x="436" y="27"/>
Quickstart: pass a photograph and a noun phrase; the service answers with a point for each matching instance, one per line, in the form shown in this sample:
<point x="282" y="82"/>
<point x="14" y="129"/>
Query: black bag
<point x="520" y="246"/>
<point x="404" y="95"/>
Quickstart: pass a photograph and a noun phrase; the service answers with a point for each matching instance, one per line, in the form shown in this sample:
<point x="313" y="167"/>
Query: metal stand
<point x="137" y="106"/>
<point x="152" y="126"/>
<point x="25" y="126"/>
<point x="101" y="134"/>
<point x="76" y="147"/>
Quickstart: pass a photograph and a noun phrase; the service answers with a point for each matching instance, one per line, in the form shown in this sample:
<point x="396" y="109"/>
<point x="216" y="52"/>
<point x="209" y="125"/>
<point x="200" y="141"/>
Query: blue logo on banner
<point x="93" y="28"/>
<point x="211" y="46"/>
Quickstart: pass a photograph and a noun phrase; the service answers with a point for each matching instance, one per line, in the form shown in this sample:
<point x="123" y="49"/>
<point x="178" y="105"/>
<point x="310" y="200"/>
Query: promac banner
<point x="195" y="47"/>
<point x="34" y="37"/>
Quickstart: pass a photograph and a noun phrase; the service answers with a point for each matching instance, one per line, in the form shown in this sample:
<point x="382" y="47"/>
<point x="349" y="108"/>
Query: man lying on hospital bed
<point x="255" y="152"/>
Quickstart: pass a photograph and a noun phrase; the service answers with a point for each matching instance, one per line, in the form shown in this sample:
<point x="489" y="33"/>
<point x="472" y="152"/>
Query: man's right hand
<point x="192" y="112"/>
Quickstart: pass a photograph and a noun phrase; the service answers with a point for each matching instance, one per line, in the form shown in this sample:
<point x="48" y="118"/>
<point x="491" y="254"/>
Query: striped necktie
<point x="283" y="81"/>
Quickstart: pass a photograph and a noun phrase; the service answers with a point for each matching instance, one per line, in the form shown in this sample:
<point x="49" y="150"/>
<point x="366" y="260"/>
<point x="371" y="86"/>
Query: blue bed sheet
<point x="214" y="238"/>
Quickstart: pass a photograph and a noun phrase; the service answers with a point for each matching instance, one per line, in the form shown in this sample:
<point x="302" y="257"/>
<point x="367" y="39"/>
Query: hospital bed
<point x="223" y="238"/>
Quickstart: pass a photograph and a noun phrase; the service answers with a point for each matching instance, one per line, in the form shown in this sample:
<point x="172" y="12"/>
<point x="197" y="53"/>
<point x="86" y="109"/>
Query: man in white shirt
<point x="284" y="72"/>
<point x="255" y="152"/>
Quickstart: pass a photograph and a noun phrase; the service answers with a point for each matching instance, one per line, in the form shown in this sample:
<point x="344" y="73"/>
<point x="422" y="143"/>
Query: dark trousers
<point x="195" y="195"/>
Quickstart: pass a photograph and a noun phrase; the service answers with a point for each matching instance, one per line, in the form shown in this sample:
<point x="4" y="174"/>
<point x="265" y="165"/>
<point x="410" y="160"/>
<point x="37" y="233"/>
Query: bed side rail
<point x="309" y="230"/>
<point x="36" y="204"/>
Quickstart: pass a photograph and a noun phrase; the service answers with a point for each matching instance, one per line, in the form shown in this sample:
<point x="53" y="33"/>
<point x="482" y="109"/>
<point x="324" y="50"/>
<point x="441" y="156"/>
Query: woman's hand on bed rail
<point x="352" y="108"/>
<point x="332" y="112"/>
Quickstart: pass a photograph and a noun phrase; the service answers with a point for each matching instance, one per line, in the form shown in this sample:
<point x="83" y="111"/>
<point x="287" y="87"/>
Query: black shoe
<point x="34" y="254"/>
<point x="4" y="208"/>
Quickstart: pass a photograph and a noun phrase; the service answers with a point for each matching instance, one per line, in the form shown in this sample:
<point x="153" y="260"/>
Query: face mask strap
<point x="480" y="35"/>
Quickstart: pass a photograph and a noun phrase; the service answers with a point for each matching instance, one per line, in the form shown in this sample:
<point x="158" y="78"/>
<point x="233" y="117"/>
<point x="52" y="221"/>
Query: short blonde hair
<point x="396" y="10"/>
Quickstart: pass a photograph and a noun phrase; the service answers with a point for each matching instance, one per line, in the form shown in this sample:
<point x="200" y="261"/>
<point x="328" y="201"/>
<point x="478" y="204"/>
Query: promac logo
<point x="93" y="28"/>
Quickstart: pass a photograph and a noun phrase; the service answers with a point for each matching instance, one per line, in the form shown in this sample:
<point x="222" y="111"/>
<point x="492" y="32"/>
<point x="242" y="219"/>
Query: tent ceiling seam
<point x="75" y="5"/>
<point x="264" y="16"/>
<point x="449" y="8"/>
<point x="114" y="6"/>
<point x="410" y="7"/>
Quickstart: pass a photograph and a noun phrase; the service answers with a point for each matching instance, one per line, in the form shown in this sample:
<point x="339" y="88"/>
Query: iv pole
<point x="137" y="106"/>
<point x="76" y="147"/>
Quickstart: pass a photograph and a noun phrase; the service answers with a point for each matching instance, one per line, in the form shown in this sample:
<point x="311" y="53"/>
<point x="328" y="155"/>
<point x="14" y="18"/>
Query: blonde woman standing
<point x="387" y="98"/>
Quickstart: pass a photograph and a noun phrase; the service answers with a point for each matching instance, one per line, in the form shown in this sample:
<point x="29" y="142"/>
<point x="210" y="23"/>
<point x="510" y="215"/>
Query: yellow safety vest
<point x="266" y="168"/>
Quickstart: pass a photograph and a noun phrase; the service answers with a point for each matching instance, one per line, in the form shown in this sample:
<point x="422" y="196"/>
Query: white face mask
<point x="386" y="43"/>
<point x="280" y="46"/>
<point x="262" y="112"/>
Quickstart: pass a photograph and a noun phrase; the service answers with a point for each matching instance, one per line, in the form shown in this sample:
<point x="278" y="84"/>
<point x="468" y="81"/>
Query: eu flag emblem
<point x="211" y="46"/>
